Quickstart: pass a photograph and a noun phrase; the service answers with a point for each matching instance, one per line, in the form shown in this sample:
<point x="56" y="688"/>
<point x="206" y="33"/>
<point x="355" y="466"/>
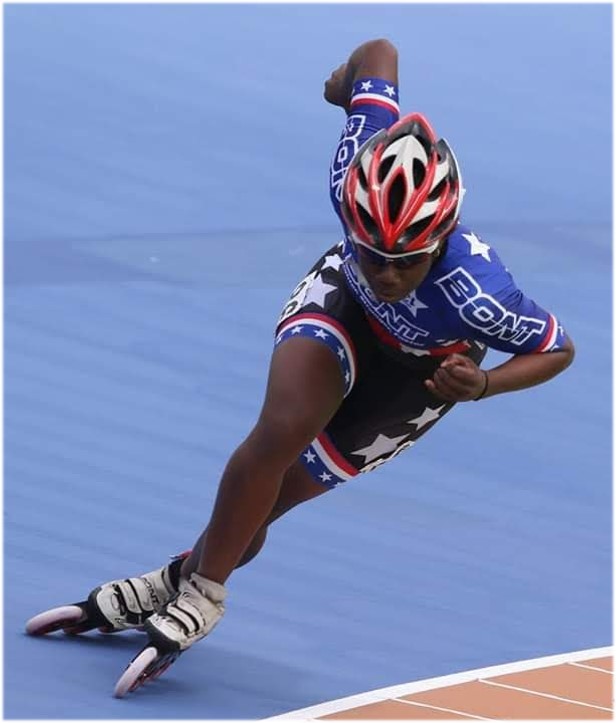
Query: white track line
<point x="464" y="713"/>
<point x="592" y="667"/>
<point x="419" y="686"/>
<point x="529" y="691"/>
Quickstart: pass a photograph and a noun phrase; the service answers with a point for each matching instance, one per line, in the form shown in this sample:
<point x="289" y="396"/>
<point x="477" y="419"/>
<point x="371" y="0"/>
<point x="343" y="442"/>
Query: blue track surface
<point x="165" y="190"/>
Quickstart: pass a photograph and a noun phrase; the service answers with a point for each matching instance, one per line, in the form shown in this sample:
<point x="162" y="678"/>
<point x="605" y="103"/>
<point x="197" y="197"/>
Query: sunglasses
<point x="401" y="262"/>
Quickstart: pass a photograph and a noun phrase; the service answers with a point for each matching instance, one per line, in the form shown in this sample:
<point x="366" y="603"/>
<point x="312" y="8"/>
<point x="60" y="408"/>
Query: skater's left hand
<point x="458" y="379"/>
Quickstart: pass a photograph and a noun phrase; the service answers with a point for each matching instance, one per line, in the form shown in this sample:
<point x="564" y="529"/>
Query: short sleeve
<point x="483" y="295"/>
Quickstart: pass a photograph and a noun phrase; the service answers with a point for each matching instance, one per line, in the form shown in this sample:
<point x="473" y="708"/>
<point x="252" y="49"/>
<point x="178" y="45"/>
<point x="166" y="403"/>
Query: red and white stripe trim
<point x="551" y="335"/>
<point x="375" y="99"/>
<point x="332" y="459"/>
<point x="335" y="329"/>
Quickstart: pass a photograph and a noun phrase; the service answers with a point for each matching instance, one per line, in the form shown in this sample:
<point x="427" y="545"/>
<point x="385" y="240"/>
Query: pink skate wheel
<point x="130" y="679"/>
<point x="54" y="619"/>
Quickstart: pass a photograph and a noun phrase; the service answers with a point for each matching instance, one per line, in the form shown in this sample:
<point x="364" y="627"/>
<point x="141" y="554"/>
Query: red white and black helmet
<point x="403" y="190"/>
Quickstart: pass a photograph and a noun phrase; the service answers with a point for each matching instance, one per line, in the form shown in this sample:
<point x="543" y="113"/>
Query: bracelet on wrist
<point x="485" y="386"/>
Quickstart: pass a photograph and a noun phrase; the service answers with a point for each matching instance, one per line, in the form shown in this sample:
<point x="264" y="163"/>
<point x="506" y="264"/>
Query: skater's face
<point x="393" y="279"/>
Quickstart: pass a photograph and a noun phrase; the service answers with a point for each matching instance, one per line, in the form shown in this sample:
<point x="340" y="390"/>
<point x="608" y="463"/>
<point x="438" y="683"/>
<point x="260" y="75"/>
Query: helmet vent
<point x="437" y="190"/>
<point x="424" y="141"/>
<point x="416" y="228"/>
<point x="366" y="219"/>
<point x="445" y="226"/>
<point x="385" y="167"/>
<point x="396" y="196"/>
<point x="419" y="172"/>
<point x="363" y="181"/>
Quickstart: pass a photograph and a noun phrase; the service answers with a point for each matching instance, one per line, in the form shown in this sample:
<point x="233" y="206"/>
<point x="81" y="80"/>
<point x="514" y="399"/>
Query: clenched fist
<point x="337" y="90"/>
<point x="458" y="379"/>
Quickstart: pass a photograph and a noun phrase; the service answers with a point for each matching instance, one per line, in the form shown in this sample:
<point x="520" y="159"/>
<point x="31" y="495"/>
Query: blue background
<point x="165" y="189"/>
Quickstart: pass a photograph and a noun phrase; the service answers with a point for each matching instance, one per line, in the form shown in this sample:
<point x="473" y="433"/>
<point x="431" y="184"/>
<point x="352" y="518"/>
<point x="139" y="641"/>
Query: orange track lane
<point x="570" y="687"/>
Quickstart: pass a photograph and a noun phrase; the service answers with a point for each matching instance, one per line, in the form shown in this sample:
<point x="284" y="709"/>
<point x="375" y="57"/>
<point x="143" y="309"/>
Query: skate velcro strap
<point x="194" y="610"/>
<point x="137" y="596"/>
<point x="188" y="616"/>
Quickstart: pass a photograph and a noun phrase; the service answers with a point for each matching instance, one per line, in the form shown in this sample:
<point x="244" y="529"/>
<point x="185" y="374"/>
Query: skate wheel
<point x="160" y="670"/>
<point x="55" y="619"/>
<point x="133" y="676"/>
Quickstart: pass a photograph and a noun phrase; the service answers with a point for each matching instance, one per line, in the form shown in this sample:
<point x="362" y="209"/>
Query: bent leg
<point x="297" y="486"/>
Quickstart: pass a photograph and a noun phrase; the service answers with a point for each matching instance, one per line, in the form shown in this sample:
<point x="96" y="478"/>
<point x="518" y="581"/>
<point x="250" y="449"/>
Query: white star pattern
<point x="390" y="90"/>
<point x="310" y="457"/>
<point x="379" y="462"/>
<point x="340" y="352"/>
<point x="325" y="477"/>
<point x="347" y="377"/>
<point x="366" y="85"/>
<point x="478" y="248"/>
<point x="413" y="304"/>
<point x="332" y="262"/>
<point x="297" y="330"/>
<point x="381" y="445"/>
<point x="428" y="415"/>
<point x="321" y="334"/>
<point x="317" y="292"/>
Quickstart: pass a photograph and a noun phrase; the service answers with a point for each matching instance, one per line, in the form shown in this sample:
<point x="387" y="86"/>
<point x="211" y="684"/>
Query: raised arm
<point x="375" y="58"/>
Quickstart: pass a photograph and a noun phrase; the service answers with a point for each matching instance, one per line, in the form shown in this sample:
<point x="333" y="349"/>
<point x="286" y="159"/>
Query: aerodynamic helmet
<point x="403" y="190"/>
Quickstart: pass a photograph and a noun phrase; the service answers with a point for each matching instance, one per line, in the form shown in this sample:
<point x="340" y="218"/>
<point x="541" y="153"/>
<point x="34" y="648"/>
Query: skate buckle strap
<point x="126" y="604"/>
<point x="139" y="595"/>
<point x="190" y="615"/>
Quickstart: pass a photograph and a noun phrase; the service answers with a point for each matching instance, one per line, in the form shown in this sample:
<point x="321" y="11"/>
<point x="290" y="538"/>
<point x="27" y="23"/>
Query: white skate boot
<point x="191" y="614"/>
<point x="114" y="606"/>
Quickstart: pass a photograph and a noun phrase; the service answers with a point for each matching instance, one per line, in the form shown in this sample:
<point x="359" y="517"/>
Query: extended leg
<point x="126" y="604"/>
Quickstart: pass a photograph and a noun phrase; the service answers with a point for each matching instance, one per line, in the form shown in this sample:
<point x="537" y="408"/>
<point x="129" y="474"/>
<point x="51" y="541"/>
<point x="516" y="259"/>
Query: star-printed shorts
<point x="386" y="407"/>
